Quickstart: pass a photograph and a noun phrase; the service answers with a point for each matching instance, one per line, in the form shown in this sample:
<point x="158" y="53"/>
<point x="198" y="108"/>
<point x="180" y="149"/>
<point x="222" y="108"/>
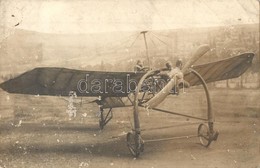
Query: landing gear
<point x="206" y="136"/>
<point x="135" y="143"/>
<point x="206" y="133"/>
<point x="203" y="134"/>
<point x="104" y="119"/>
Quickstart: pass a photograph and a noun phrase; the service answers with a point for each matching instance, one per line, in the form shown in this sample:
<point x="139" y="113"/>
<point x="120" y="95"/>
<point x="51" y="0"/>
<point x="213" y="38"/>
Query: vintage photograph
<point x="128" y="83"/>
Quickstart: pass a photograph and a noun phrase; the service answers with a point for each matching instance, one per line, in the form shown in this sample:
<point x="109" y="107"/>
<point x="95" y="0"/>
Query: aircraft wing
<point x="221" y="70"/>
<point x="60" y="81"/>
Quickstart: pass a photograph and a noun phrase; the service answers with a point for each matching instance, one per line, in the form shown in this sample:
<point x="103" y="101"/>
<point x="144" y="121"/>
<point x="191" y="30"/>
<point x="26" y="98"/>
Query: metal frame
<point x="210" y="135"/>
<point x="205" y="133"/>
<point x="104" y="119"/>
<point x="135" y="143"/>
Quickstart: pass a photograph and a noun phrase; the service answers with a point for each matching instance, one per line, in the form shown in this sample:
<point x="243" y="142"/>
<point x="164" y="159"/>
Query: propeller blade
<point x="159" y="97"/>
<point x="199" y="52"/>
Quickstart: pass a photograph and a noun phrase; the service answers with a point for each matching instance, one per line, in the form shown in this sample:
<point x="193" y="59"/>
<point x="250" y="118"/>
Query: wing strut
<point x="104" y="119"/>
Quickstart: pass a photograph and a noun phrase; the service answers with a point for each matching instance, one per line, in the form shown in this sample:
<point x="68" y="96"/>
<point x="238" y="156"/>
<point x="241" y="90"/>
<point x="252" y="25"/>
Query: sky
<point x="95" y="16"/>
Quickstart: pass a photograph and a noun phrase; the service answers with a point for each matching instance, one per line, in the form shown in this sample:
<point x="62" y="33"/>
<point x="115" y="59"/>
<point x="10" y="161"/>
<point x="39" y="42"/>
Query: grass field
<point x="36" y="131"/>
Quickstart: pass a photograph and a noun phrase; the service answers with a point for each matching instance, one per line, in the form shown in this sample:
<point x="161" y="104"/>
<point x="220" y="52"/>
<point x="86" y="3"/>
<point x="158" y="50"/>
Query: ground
<point x="36" y="131"/>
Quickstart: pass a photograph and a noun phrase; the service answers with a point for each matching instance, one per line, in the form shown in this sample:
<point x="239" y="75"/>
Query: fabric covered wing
<point x="60" y="81"/>
<point x="221" y="70"/>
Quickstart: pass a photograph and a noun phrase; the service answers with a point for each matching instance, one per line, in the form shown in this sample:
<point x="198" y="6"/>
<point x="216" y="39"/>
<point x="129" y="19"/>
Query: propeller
<point x="159" y="97"/>
<point x="199" y="52"/>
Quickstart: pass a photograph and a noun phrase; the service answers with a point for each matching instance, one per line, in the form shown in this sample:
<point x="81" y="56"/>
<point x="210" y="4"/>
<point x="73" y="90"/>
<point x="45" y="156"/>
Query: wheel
<point x="204" y="135"/>
<point x="149" y="85"/>
<point x="135" y="144"/>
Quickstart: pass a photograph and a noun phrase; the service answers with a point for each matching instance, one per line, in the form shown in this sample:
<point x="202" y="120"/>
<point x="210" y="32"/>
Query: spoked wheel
<point x="150" y="84"/>
<point x="135" y="144"/>
<point x="204" y="135"/>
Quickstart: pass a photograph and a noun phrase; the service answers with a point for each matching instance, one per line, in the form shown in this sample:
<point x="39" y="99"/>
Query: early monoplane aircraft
<point x="140" y="89"/>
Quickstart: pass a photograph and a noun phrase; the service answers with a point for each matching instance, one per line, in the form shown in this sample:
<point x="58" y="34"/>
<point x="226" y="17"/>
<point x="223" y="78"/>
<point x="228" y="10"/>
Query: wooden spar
<point x="146" y="47"/>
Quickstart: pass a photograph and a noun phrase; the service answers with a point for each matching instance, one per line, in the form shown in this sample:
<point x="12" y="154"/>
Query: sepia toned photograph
<point x="128" y="83"/>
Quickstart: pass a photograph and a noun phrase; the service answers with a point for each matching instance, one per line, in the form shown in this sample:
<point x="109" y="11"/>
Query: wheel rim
<point x="204" y="135"/>
<point x="131" y="144"/>
<point x="135" y="144"/>
<point x="151" y="87"/>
